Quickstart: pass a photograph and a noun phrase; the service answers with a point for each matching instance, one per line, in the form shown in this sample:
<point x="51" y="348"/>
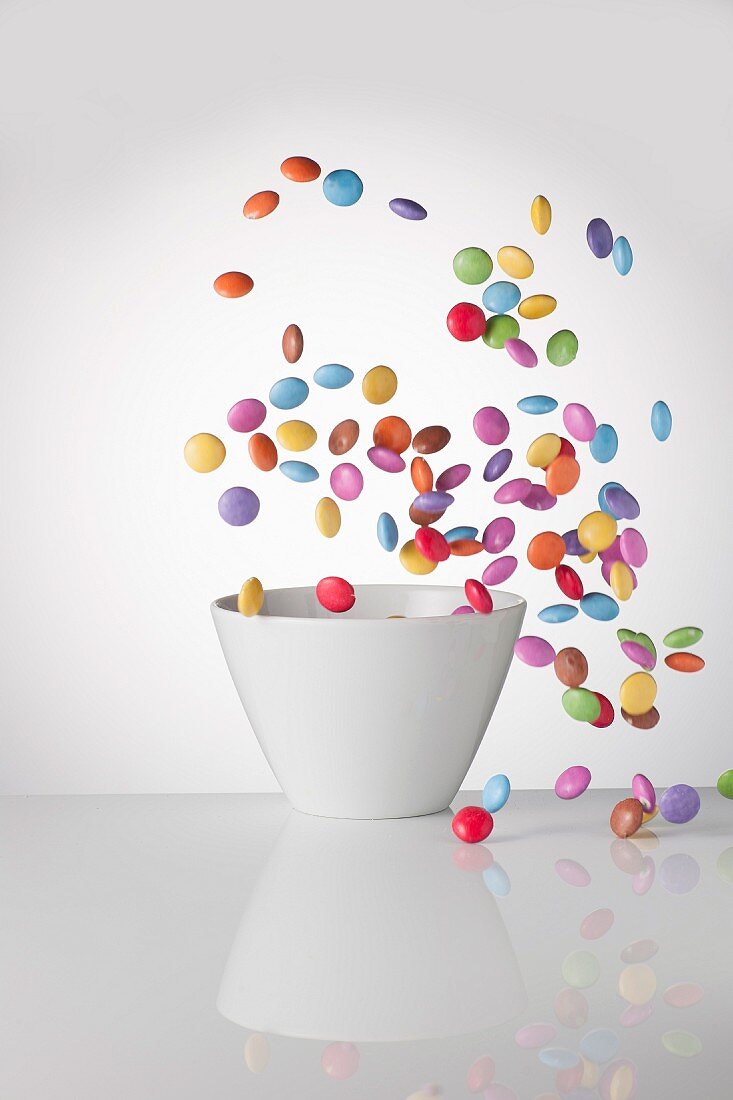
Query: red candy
<point x="479" y="596"/>
<point x="335" y="594"/>
<point x="431" y="544"/>
<point x="472" y="824"/>
<point x="569" y="582"/>
<point x="466" y="321"/>
<point x="607" y="714"/>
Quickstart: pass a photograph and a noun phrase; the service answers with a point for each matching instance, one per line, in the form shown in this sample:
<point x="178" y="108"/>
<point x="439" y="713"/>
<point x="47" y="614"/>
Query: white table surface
<point x="125" y="919"/>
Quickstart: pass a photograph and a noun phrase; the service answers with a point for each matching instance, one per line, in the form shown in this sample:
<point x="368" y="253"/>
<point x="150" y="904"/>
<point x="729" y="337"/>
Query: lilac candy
<point x="534" y="651"/>
<point x="539" y="499"/>
<point x="498" y="535"/>
<point x="599" y="238"/>
<point x="572" y="782"/>
<point x="512" y="491"/>
<point x="640" y="655"/>
<point x="385" y="459"/>
<point x="464" y="609"/>
<point x="238" y="506"/>
<point x="432" y="502"/>
<point x="521" y="352"/>
<point x="534" y="1036"/>
<point x="496" y="572"/>
<point x="612" y="553"/>
<point x="490" y="425"/>
<point x="679" y="804"/>
<point x="452" y="477"/>
<point x="633" y="547"/>
<point x="409" y="209"/>
<point x="643" y="789"/>
<point x="579" y="422"/>
<point x="679" y="873"/>
<point x="498" y="465"/>
<point x="573" y="545"/>
<point x="246" y="415"/>
<point x="622" y="503"/>
<point x="347" y="481"/>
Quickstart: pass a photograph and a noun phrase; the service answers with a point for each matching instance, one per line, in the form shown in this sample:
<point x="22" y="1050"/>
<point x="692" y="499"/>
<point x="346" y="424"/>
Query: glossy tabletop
<point x="225" y="946"/>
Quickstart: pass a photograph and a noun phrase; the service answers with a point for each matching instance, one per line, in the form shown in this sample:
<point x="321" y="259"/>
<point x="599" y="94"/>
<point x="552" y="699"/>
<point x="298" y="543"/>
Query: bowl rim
<point x="518" y="602"/>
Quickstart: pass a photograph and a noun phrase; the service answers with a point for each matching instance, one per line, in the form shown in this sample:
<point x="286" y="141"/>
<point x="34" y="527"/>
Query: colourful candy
<point x="541" y="214"/>
<point x="596" y="924"/>
<point x="543" y="450"/>
<point x="392" y="432"/>
<point x="413" y="561"/>
<point x="538" y="499"/>
<point x="546" y="550"/>
<point x="633" y="547"/>
<point x="328" y="517"/>
<point x="684" y="662"/>
<point x="204" y="452"/>
<point x="639" y="654"/>
<point x="498" y="465"/>
<point x="409" y="209"/>
<point x="643" y="789"/>
<point x="534" y="1036"/>
<point x="521" y="352"/>
<point x="379" y="385"/>
<point x="347" y="481"/>
<point x="431" y="544"/>
<point x="296" y="435"/>
<point x="638" y="693"/>
<point x="496" y="793"/>
<point x="387" y="532"/>
<point x="498" y="330"/>
<point x="335" y="594"/>
<point x="562" y="475"/>
<point x="682" y="637"/>
<point x="661" y="420"/>
<point x="572" y="873"/>
<point x="570" y="784"/>
<point x="579" y="421"/>
<point x="679" y="804"/>
<point x="343" y="437"/>
<point x="537" y="306"/>
<point x="602" y="502"/>
<point x="491" y="425"/>
<point x="597" y="530"/>
<point x="725" y="784"/>
<point x="621" y="580"/>
<point x="498" y="534"/>
<point x="517" y="263"/>
<point x="260" y="205"/>
<point x="599" y="1045"/>
<point x="233" y="284"/>
<point x="499" y="298"/>
<point x="299" y="471"/>
<point x="472" y="824"/>
<point x="292" y="343"/>
<point x="581" y="704"/>
<point x="622" y="503"/>
<point x="622" y="255"/>
<point x="626" y="817"/>
<point x="238" y="506"/>
<point x="537" y="405"/>
<point x="607" y="715"/>
<point x="646" y="721"/>
<point x="430" y="440"/>
<point x="534" y="651"/>
<point x="386" y="460"/>
<point x="300" y="169"/>
<point x="472" y="265"/>
<point x="246" y="415"/>
<point x="571" y="1007"/>
<point x="568" y="581"/>
<point x="557" y="613"/>
<point x="572" y="544"/>
<point x="342" y="187"/>
<point x="251" y="597"/>
<point x="478" y="596"/>
<point x="466" y="321"/>
<point x="604" y="444"/>
<point x="433" y="501"/>
<point x="571" y="669"/>
<point x="452" y="477"/>
<point x="500" y="570"/>
<point x="334" y="376"/>
<point x="562" y="347"/>
<point x="599" y="237"/>
<point x="683" y="1043"/>
<point x="262" y="451"/>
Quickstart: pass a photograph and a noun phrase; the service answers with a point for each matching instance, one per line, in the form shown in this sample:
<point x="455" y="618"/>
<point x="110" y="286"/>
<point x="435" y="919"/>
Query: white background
<point x="131" y="136"/>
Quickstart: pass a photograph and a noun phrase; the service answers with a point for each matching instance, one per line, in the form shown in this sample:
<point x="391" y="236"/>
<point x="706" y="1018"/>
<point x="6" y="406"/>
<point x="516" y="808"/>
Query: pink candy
<point x="633" y="547"/>
<point x="521" y="352"/>
<point x="579" y="421"/>
<point x="490" y="425"/>
<point x="572" y="872"/>
<point x="643" y="789"/>
<point x="534" y="651"/>
<point x="572" y="782"/>
<point x="640" y="655"/>
<point x="453" y="476"/>
<point x="534" y="1036"/>
<point x="346" y="481"/>
<point x="246" y="415"/>
<point x="512" y="491"/>
<point x="498" y="535"/>
<point x="538" y="499"/>
<point x="496" y="572"/>
<point x="386" y="460"/>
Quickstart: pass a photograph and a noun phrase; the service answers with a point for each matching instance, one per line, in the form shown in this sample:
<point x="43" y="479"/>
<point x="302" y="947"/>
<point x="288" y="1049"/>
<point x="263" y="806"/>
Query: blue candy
<point x="496" y="793"/>
<point x="537" y="405"/>
<point x="298" y="471"/>
<point x="497" y="880"/>
<point x="460" y="533"/>
<point x="333" y="376"/>
<point x="604" y="444"/>
<point x="557" y="613"/>
<point x="342" y="187"/>
<point x="600" y="1045"/>
<point x="602" y="502"/>
<point x="622" y="504"/>
<point x="288" y="393"/>
<point x="501" y="297"/>
<point x="558" y="1058"/>
<point x="387" y="532"/>
<point x="597" y="605"/>
<point x="622" y="255"/>
<point x="661" y="420"/>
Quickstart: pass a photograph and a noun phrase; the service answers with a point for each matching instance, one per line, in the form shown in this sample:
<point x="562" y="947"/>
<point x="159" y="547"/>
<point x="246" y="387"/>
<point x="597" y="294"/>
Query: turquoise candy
<point x="604" y="444"/>
<point x="387" y="532"/>
<point x="537" y="404"/>
<point x="497" y="880"/>
<point x="298" y="471"/>
<point x="342" y="187"/>
<point x="456" y="533"/>
<point x="501" y="297"/>
<point x="661" y="420"/>
<point x="622" y="255"/>
<point x="496" y="793"/>
<point x="557" y="613"/>
<point x="597" y="605"/>
<point x="288" y="393"/>
<point x="333" y="376"/>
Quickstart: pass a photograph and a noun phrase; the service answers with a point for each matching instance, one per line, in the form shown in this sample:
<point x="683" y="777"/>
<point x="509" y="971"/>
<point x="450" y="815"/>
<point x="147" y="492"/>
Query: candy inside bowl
<point x="366" y="714"/>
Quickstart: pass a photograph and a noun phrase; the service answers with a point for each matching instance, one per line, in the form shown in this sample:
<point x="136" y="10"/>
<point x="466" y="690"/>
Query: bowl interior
<point x="374" y="601"/>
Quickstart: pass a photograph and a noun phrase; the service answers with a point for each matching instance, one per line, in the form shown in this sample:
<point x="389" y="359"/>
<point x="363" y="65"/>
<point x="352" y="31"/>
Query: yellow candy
<point x="256" y="1053"/>
<point x="379" y="385"/>
<point x="296" y="435"/>
<point x="622" y="582"/>
<point x="648" y="816"/>
<point x="597" y="530"/>
<point x="638" y="692"/>
<point x="622" y="1084"/>
<point x="328" y="517"/>
<point x="541" y="214"/>
<point x="591" y="1074"/>
<point x="544" y="449"/>
<point x="515" y="261"/>
<point x="413" y="561"/>
<point x="536" y="306"/>
<point x="637" y="984"/>
<point x="586" y="558"/>
<point x="204" y="452"/>
<point x="251" y="598"/>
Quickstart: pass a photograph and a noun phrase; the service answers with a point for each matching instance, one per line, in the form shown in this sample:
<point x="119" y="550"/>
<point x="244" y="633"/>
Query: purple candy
<point x="432" y="502"/>
<point x="622" y="504"/>
<point x="572" y="782"/>
<point x="409" y="209"/>
<point x="238" y="506"/>
<point x="452" y="477"/>
<point x="538" y="499"/>
<point x="464" y="609"/>
<point x="498" y="535"/>
<point x="246" y="415"/>
<point x="573" y="545"/>
<point x="498" y="465"/>
<point x="490" y="425"/>
<point x="633" y="547"/>
<point x="347" y="481"/>
<point x="679" y="873"/>
<point x="521" y="352"/>
<point x="512" y="491"/>
<point x="640" y="655"/>
<point x="386" y="460"/>
<point x="612" y="553"/>
<point x="643" y="789"/>
<point x="599" y="238"/>
<point x="500" y="570"/>
<point x="534" y="651"/>
<point x="679" y="804"/>
<point x="579" y="422"/>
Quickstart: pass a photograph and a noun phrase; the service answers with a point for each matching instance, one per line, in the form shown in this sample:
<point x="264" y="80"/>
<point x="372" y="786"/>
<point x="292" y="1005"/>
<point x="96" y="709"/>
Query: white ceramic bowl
<point x="363" y="716"/>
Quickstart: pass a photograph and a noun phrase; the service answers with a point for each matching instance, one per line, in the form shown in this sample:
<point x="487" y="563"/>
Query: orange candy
<point x="261" y="204"/>
<point x="262" y="451"/>
<point x="464" y="548"/>
<point x="546" y="550"/>
<point x="562" y="475"/>
<point x="421" y="474"/>
<point x="684" y="662"/>
<point x="233" y="284"/>
<point x="300" y="169"/>
<point x="394" y="433"/>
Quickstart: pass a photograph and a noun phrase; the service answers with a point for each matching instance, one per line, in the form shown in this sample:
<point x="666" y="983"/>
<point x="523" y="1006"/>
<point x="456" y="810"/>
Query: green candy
<point x="682" y="1043"/>
<point x="625" y="635"/>
<point x="581" y="969"/>
<point x="725" y="783"/>
<point x="581" y="704"/>
<point x="682" y="637"/>
<point x="473" y="265"/>
<point x="499" y="328"/>
<point x="562" y="347"/>
<point x="724" y="866"/>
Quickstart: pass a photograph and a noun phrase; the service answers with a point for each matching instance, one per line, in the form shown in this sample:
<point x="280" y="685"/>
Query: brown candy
<point x="432" y="439"/>
<point x="571" y="667"/>
<point x="292" y="343"/>
<point x="262" y="451"/>
<point x="627" y="817"/>
<point x="343" y="437"/>
<point x="646" y="721"/>
<point x="424" y="519"/>
<point x="394" y="433"/>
